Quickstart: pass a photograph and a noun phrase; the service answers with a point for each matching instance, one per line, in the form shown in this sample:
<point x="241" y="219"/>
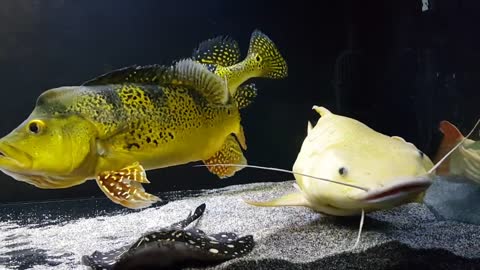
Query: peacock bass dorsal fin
<point x="150" y="74"/>
<point x="185" y="72"/>
<point x="218" y="51"/>
<point x="210" y="85"/>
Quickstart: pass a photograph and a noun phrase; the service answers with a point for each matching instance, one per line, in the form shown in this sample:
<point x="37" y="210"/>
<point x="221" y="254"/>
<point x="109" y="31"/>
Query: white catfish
<point x="345" y="168"/>
<point x="387" y="169"/>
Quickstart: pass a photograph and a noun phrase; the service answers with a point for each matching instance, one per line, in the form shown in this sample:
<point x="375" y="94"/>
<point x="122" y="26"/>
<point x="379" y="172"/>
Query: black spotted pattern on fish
<point x="174" y="247"/>
<point x="146" y="115"/>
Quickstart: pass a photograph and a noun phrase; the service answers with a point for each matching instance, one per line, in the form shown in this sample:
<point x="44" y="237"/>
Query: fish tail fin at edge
<point x="451" y="136"/>
<point x="266" y="56"/>
<point x="292" y="199"/>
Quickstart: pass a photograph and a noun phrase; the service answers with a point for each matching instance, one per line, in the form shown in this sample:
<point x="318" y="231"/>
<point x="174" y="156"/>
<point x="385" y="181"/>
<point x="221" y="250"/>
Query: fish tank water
<point x="373" y="69"/>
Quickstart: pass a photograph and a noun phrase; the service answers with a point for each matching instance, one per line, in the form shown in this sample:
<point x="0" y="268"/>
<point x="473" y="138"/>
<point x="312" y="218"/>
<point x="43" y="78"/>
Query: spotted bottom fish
<point x="116" y="126"/>
<point x="172" y="248"/>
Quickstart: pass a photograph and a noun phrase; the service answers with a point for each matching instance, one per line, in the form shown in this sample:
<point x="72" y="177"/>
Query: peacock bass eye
<point x="36" y="126"/>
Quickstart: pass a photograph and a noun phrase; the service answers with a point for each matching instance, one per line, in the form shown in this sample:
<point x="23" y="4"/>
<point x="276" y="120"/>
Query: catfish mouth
<point x="399" y="190"/>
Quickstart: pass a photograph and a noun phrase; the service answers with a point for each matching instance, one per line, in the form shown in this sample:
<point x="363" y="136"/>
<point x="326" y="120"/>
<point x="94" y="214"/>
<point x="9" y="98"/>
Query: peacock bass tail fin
<point x="265" y="57"/>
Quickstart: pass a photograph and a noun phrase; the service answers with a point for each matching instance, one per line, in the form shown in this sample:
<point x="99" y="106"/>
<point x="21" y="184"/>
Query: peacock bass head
<point x="50" y="149"/>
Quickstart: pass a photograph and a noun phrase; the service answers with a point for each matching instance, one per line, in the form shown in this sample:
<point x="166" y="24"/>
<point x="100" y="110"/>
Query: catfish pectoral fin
<point x="292" y="199"/>
<point x="124" y="187"/>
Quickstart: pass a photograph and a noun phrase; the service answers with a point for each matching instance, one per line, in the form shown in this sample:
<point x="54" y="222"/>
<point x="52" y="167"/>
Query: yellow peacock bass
<point x="116" y="126"/>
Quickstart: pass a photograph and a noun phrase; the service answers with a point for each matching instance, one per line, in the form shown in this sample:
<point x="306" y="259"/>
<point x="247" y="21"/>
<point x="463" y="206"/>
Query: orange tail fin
<point x="451" y="136"/>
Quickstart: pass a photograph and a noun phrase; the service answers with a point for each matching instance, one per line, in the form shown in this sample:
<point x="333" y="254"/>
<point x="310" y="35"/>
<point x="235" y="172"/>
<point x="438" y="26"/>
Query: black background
<point x="385" y="63"/>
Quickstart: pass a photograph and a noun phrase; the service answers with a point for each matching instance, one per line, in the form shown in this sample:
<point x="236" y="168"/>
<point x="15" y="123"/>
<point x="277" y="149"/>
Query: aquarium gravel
<point x="286" y="238"/>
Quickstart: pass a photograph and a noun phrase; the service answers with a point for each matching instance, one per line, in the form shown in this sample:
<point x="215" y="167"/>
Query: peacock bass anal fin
<point x="124" y="186"/>
<point x="230" y="153"/>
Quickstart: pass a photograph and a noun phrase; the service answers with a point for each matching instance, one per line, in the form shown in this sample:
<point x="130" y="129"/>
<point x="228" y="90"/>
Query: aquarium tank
<point x="239" y="134"/>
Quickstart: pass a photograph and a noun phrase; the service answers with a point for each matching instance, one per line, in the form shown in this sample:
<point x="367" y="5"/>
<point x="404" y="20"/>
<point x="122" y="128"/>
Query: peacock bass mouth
<point x="18" y="165"/>
<point x="14" y="160"/>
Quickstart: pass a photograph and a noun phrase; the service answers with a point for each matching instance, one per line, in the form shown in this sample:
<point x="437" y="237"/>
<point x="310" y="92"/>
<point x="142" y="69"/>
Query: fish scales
<point x="146" y="117"/>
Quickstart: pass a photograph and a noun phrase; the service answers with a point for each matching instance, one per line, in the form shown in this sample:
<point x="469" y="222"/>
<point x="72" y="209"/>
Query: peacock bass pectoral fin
<point x="230" y="153"/>
<point x="125" y="186"/>
<point x="292" y="199"/>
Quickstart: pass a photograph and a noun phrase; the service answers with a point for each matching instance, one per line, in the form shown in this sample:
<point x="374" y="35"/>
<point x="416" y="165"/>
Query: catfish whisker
<point x="286" y="171"/>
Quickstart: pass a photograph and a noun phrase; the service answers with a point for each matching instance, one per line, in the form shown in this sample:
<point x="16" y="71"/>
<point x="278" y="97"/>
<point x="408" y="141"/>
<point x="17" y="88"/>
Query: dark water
<point x="388" y="64"/>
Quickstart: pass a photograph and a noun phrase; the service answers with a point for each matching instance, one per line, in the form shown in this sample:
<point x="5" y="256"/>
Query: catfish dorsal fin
<point x="454" y="148"/>
<point x="321" y="110"/>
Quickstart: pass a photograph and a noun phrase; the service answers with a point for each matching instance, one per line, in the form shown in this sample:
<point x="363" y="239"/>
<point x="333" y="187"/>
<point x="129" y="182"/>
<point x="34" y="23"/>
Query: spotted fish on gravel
<point x="174" y="247"/>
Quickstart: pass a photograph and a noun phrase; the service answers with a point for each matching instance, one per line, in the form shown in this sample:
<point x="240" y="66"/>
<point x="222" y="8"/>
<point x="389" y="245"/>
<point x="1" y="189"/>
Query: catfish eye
<point x="421" y="154"/>
<point x="36" y="126"/>
<point x="342" y="171"/>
